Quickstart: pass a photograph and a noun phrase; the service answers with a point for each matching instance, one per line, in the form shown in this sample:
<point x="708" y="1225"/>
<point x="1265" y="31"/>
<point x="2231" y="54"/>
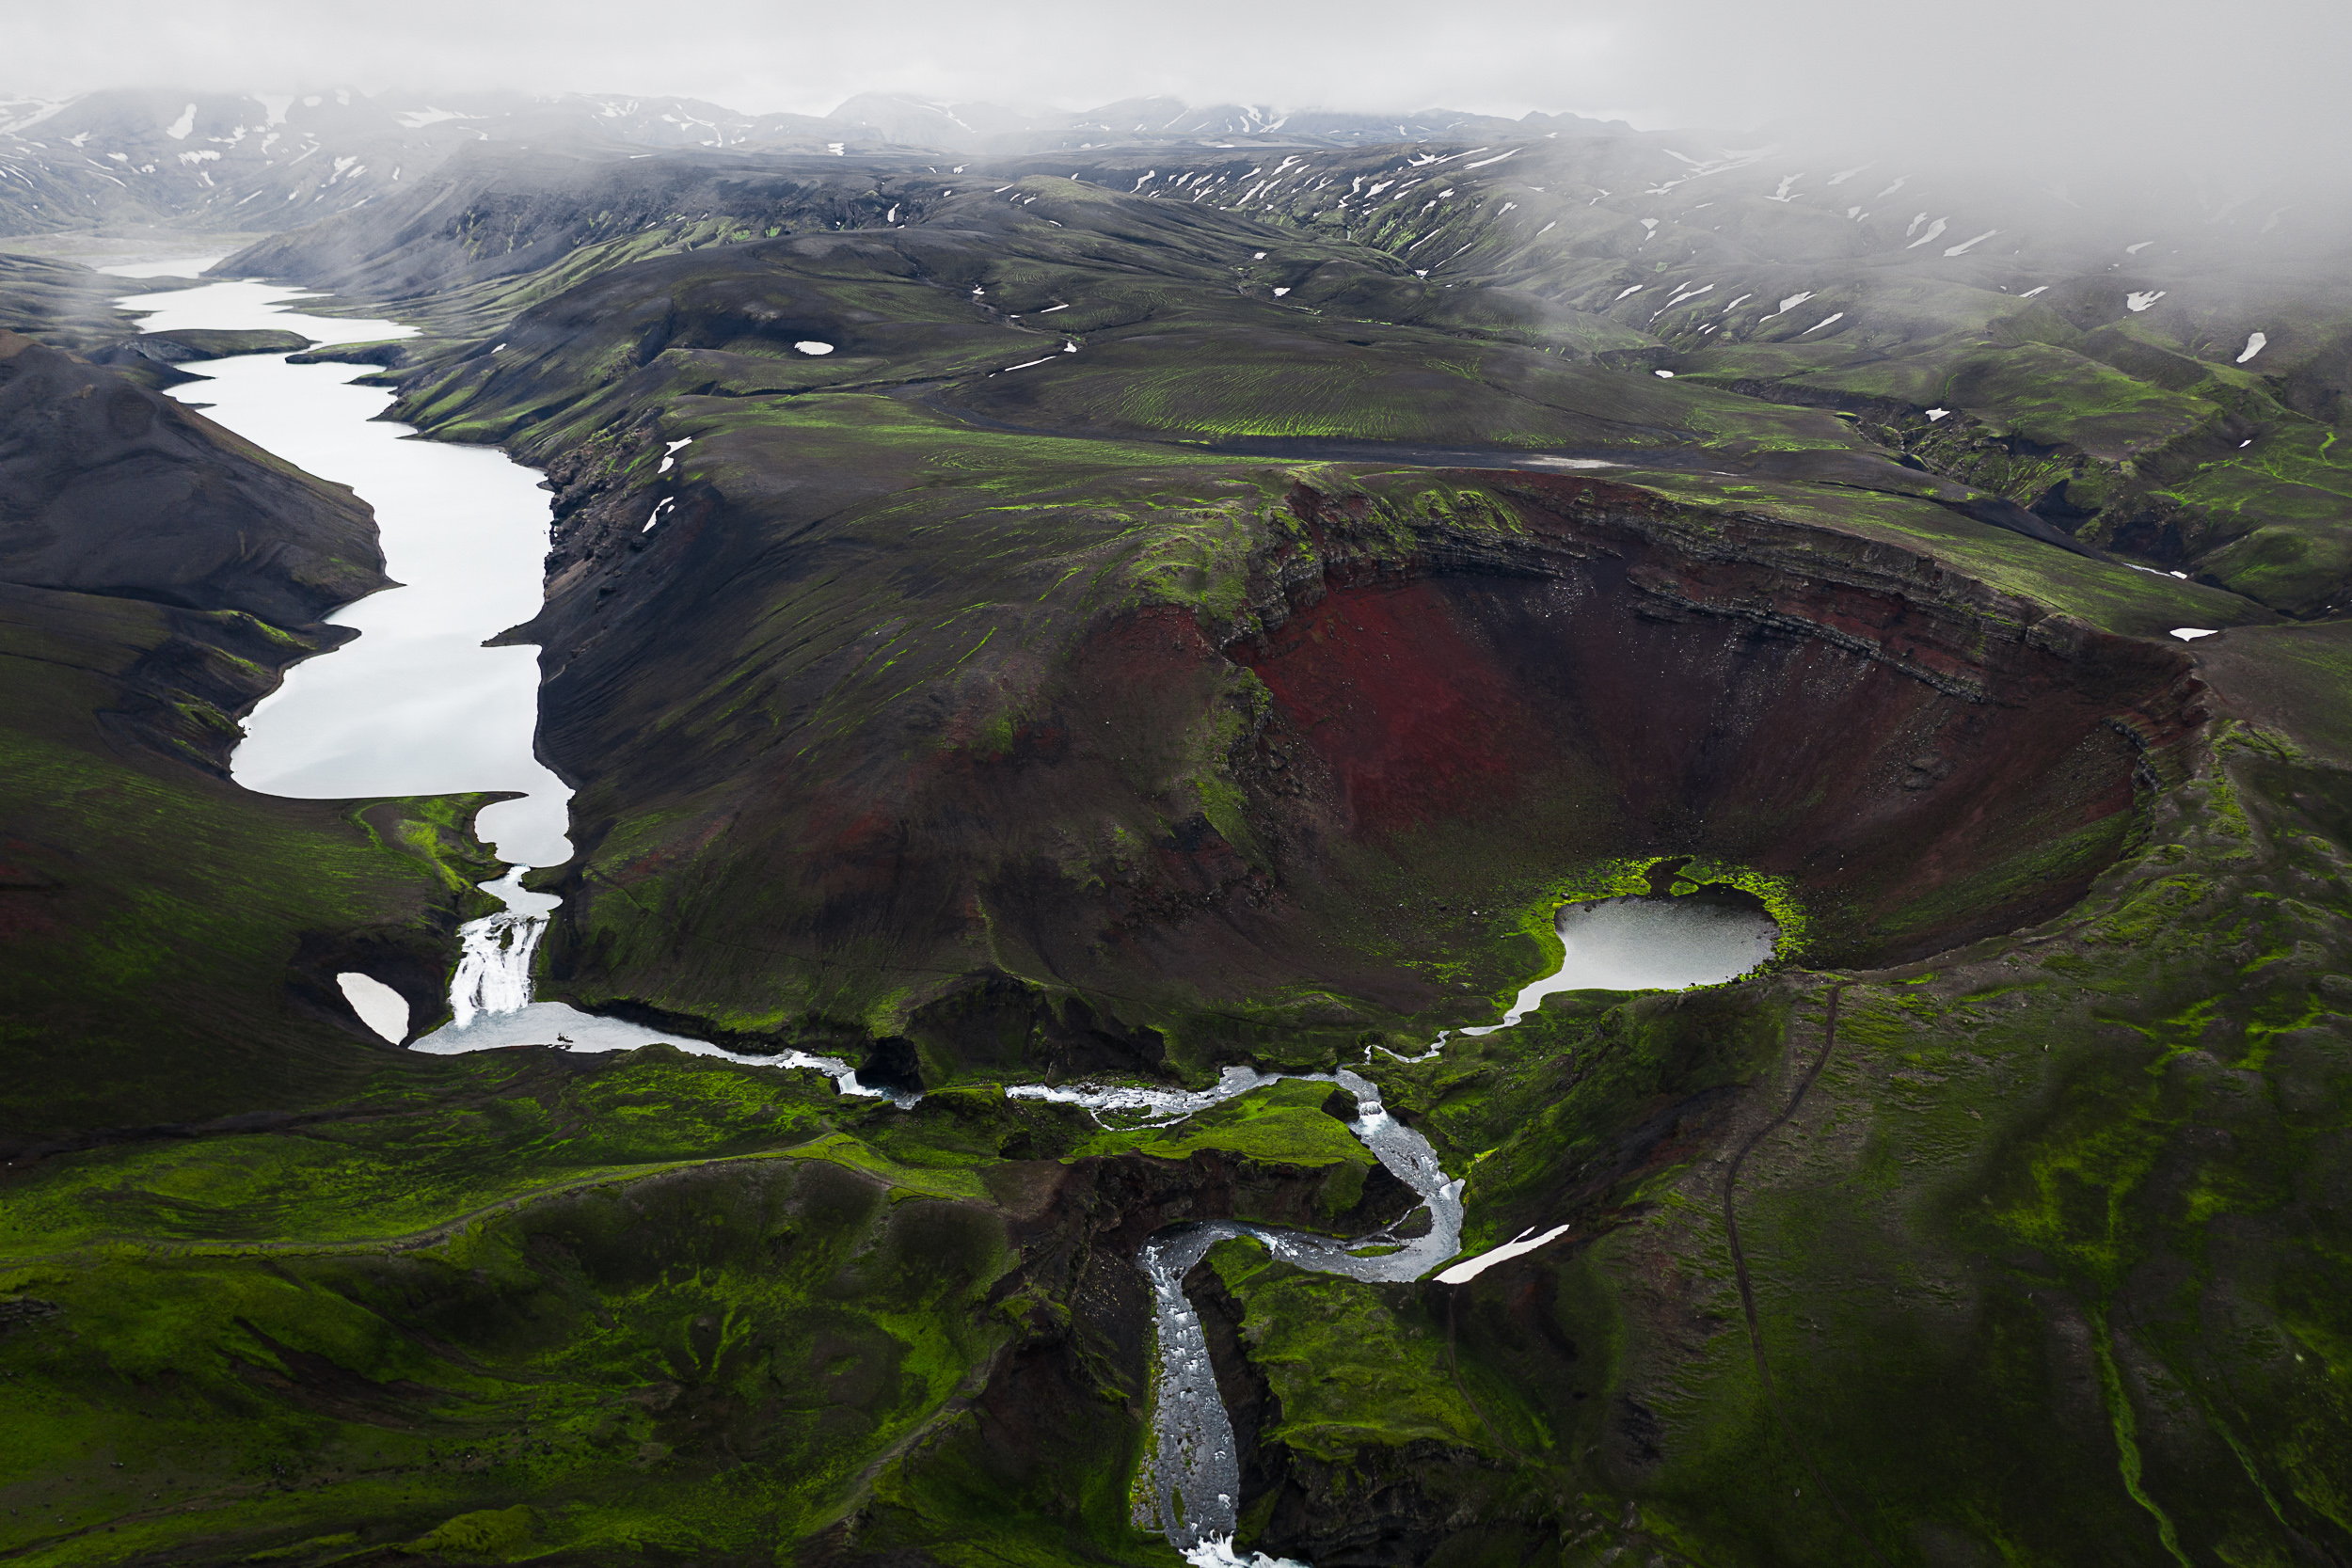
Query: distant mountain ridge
<point x="263" y="162"/>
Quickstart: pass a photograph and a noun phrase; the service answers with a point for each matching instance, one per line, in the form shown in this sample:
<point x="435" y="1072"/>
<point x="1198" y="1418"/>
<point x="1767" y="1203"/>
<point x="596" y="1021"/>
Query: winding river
<point x="415" y="704"/>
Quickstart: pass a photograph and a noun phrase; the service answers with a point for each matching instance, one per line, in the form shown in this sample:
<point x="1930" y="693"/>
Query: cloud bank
<point x="2164" y="81"/>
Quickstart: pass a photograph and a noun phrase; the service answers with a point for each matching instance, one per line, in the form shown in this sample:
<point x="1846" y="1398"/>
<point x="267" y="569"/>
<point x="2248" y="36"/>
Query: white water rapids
<point x="416" y="705"/>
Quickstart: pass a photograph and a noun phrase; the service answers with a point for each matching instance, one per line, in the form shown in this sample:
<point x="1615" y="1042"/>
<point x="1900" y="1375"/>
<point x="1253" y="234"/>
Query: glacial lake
<point x="415" y="704"/>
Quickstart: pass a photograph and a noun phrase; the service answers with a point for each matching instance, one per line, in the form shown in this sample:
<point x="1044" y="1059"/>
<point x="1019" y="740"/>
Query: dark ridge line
<point x="1313" y="448"/>
<point x="1689" y="455"/>
<point x="1747" y="1293"/>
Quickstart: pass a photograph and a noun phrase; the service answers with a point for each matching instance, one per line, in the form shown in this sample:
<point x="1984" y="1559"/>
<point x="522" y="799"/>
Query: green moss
<point x="1351" y="1366"/>
<point x="487" y="1533"/>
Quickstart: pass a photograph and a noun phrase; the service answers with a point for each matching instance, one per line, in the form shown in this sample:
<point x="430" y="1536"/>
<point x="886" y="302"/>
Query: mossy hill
<point x="1096" y="663"/>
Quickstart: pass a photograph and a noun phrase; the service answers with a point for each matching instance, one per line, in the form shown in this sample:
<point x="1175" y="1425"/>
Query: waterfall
<point x="494" y="964"/>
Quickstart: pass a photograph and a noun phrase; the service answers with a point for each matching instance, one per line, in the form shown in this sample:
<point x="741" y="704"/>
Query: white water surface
<point x="379" y="1006"/>
<point x="415" y="704"/>
<point x="1647" y="944"/>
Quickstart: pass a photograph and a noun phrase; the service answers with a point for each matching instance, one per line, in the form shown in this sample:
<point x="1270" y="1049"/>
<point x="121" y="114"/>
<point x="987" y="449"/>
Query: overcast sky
<point x="2157" y="74"/>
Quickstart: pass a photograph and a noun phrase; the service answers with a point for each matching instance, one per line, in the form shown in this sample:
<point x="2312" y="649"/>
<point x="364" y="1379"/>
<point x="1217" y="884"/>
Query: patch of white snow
<point x="379" y="1006"/>
<point x="1527" y="1242"/>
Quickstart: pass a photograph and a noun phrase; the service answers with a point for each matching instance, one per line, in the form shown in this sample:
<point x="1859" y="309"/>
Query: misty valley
<point x="947" y="835"/>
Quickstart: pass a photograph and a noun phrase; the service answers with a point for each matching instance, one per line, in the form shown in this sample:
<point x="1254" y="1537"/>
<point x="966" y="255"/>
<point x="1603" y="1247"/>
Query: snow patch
<point x="379" y="1006"/>
<point x="1935" y="414"/>
<point x="1966" y="245"/>
<point x="1935" y="232"/>
<point x="178" y="130"/>
<point x="811" y="346"/>
<point x="2191" y="634"/>
<point x="2142" y="299"/>
<point x="1527" y="1242"/>
<point x="2255" y="343"/>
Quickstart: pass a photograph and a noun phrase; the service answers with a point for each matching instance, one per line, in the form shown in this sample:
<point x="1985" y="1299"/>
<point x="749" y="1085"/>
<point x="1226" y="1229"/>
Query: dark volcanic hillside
<point x="111" y="489"/>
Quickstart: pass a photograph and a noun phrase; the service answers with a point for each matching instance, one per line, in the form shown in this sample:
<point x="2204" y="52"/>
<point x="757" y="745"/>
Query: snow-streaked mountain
<point x="264" y="162"/>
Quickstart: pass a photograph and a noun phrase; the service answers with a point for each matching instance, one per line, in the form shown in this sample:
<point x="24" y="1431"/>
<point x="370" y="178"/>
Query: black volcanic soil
<point x="108" y="488"/>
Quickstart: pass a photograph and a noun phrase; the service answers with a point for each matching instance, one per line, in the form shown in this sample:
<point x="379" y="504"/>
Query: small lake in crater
<point x="1648" y="944"/>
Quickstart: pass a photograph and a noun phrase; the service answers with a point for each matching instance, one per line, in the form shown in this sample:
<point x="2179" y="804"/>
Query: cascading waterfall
<point x="493" y="976"/>
<point x="494" y="965"/>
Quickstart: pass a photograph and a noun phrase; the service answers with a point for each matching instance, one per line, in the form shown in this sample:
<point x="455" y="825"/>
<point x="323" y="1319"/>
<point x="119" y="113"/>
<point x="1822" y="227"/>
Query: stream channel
<point x="415" y="704"/>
